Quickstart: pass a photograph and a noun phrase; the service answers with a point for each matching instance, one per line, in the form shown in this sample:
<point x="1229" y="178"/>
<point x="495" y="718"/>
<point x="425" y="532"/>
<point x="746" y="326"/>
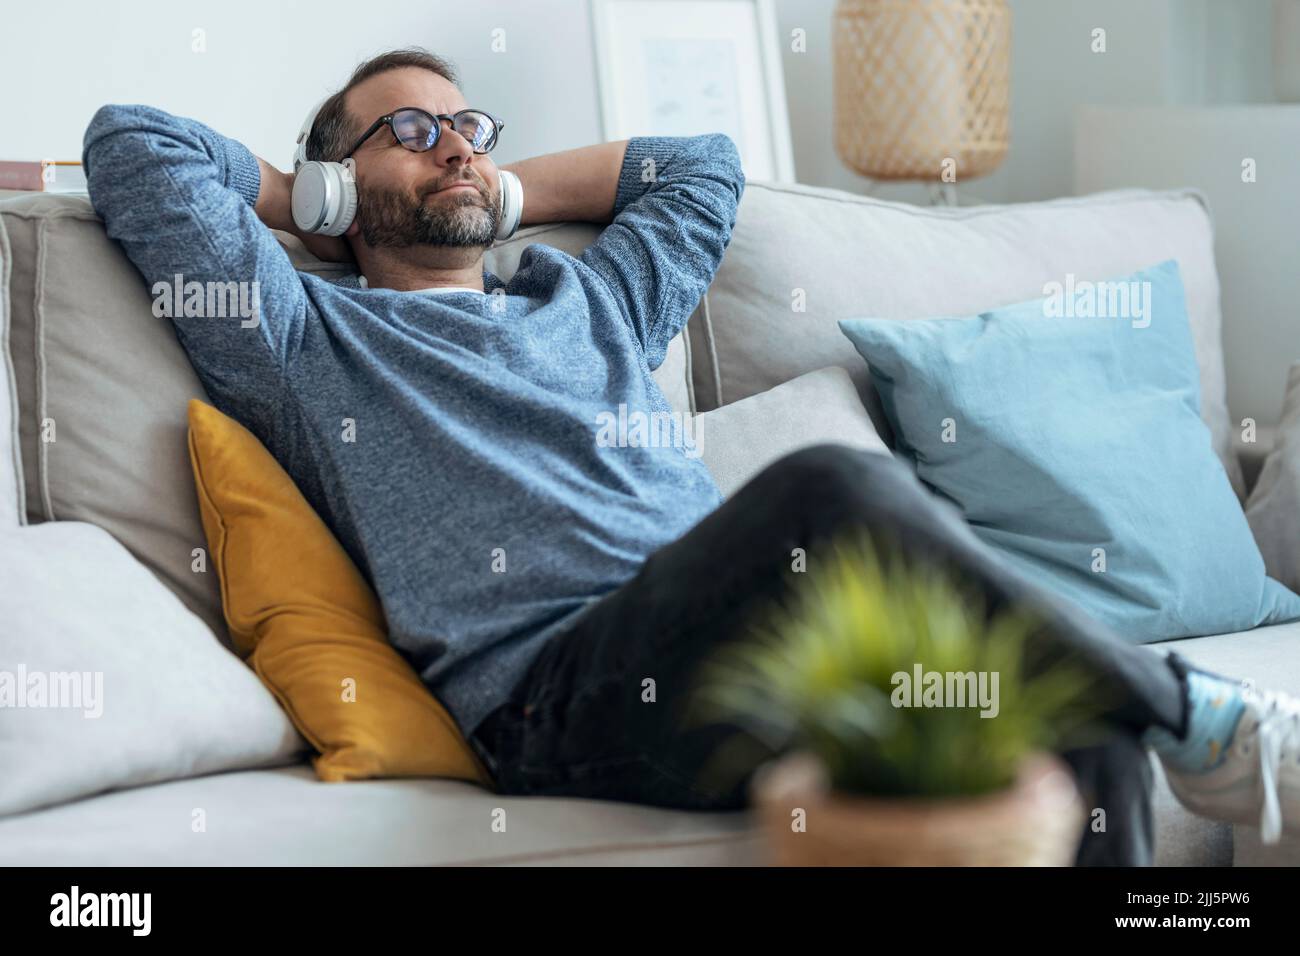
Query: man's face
<point x="445" y="196"/>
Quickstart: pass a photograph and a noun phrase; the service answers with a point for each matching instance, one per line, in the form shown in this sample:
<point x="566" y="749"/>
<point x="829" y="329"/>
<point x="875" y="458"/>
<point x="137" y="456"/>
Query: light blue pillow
<point x="1074" y="446"/>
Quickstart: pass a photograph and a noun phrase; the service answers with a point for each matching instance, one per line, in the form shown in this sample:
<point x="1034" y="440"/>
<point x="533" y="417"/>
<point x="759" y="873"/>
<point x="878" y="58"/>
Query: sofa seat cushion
<point x="286" y="817"/>
<point x="1270" y="657"/>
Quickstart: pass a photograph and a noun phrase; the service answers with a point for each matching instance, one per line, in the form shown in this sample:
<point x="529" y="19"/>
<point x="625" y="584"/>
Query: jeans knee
<point x="837" y="487"/>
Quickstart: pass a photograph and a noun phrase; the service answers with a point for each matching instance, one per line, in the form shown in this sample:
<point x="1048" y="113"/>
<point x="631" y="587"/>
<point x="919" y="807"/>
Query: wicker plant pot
<point x="1036" y="822"/>
<point x="918" y="82"/>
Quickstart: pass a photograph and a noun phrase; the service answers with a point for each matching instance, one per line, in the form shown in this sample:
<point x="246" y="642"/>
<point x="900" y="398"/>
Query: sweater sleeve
<point x="673" y="214"/>
<point x="180" y="199"/>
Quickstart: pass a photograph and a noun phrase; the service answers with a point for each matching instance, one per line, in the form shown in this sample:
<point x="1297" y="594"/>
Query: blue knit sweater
<point x="459" y="444"/>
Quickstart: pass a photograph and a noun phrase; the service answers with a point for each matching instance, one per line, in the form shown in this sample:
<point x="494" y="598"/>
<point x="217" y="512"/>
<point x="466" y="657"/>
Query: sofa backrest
<point x="801" y="258"/>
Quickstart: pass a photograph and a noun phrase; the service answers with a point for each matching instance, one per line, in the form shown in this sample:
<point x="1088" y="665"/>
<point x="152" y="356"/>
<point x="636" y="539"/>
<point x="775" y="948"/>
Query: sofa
<point x="82" y="349"/>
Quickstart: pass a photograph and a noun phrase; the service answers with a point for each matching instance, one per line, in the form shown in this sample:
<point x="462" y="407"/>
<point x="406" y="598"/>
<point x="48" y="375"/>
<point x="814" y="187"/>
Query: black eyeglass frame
<point x="497" y="124"/>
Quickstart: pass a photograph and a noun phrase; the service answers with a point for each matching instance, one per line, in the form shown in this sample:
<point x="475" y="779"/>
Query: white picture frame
<point x="685" y="67"/>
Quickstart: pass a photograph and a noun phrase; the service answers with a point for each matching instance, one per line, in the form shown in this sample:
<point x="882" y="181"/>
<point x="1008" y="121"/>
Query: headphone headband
<point x="300" y="152"/>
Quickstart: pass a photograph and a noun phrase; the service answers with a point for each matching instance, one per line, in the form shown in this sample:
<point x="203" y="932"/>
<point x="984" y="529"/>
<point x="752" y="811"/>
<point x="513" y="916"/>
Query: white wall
<point x="266" y="63"/>
<point x="1187" y="52"/>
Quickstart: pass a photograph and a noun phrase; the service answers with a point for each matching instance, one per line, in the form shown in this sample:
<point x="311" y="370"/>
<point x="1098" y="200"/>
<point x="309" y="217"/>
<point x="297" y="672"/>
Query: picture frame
<point x="686" y="67"/>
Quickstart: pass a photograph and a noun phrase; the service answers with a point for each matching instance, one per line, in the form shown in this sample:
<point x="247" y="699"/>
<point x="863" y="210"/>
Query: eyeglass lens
<point x="417" y="130"/>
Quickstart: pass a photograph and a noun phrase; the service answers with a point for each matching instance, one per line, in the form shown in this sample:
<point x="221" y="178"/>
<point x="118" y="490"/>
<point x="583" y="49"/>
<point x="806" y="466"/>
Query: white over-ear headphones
<point x="325" y="194"/>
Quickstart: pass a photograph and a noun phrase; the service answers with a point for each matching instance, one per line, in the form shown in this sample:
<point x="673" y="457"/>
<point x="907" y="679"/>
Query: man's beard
<point x="463" y="218"/>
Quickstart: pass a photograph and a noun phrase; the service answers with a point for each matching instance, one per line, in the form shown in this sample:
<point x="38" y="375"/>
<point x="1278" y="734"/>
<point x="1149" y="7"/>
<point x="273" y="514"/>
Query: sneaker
<point x="1258" y="781"/>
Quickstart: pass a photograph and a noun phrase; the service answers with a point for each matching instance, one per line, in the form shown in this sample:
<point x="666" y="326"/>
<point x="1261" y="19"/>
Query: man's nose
<point x="452" y="147"/>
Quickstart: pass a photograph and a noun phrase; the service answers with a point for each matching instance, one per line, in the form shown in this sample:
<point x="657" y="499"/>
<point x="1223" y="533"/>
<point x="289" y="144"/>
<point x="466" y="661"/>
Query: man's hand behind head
<point x="274" y="204"/>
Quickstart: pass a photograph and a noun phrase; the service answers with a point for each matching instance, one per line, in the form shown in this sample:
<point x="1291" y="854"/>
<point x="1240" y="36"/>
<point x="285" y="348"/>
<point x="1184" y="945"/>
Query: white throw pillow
<point x="1274" y="506"/>
<point x="108" y="681"/>
<point x="739" y="440"/>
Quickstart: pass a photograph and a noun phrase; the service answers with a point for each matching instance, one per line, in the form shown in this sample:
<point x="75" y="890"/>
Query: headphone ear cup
<point x="512" y="203"/>
<point x="324" y="200"/>
<point x="348" y="212"/>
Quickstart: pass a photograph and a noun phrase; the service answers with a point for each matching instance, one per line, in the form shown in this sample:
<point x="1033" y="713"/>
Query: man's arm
<point x="672" y="201"/>
<point x="576" y="185"/>
<point x="181" y="200"/>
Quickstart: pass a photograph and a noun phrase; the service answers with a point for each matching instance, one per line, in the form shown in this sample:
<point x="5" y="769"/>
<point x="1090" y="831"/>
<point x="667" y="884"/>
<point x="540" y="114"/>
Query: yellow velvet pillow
<point x="306" y="620"/>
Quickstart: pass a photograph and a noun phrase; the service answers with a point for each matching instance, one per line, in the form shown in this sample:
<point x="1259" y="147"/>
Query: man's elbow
<point x="108" y="119"/>
<point x="113" y="119"/>
<point x="722" y="151"/>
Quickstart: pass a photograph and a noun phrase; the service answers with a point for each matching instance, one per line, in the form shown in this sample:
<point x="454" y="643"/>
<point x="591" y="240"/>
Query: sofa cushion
<point x="1274" y="506"/>
<point x="107" y="381"/>
<point x="309" y="624"/>
<point x="739" y="440"/>
<point x="839" y="255"/>
<point x="144" y="691"/>
<point x="102" y="386"/>
<point x="11" y="506"/>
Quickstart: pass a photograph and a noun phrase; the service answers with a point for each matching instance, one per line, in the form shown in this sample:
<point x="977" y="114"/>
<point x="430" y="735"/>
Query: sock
<point x="1214" y="706"/>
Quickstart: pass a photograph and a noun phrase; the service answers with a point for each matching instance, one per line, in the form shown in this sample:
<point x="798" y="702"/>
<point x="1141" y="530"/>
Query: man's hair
<point x="334" y="130"/>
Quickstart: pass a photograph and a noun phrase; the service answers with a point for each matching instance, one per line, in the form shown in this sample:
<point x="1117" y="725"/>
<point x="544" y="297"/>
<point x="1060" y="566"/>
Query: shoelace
<point x="1277" y="729"/>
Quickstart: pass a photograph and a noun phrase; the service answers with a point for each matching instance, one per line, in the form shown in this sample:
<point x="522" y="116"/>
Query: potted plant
<point x="910" y="726"/>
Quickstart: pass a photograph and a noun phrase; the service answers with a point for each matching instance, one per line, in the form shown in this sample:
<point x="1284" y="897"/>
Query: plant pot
<point x="1038" y="821"/>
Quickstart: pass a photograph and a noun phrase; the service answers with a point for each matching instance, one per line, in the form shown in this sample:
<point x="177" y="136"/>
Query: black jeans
<point x="576" y="725"/>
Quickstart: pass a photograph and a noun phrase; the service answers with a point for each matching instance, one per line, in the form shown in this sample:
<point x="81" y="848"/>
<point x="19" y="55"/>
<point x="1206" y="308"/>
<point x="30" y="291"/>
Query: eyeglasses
<point x="419" y="130"/>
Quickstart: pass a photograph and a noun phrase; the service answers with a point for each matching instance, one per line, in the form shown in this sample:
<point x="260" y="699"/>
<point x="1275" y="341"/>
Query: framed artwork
<point x="684" y="67"/>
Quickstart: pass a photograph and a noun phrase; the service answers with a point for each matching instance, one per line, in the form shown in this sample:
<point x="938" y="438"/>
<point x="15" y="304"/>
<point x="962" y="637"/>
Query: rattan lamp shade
<point x="921" y="81"/>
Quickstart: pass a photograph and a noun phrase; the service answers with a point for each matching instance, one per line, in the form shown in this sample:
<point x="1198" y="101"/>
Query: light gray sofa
<point x="82" y="348"/>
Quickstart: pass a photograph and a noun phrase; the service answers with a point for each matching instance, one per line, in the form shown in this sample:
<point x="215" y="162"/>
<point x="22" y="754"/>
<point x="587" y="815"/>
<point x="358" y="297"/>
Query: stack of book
<point x="44" y="176"/>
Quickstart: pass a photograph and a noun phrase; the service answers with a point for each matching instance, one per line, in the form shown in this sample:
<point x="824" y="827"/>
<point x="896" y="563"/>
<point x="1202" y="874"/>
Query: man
<point x="445" y="424"/>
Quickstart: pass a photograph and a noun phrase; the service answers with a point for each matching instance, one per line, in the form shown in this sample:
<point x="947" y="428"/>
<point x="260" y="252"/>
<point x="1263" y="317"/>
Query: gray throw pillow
<point x="739" y="440"/>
